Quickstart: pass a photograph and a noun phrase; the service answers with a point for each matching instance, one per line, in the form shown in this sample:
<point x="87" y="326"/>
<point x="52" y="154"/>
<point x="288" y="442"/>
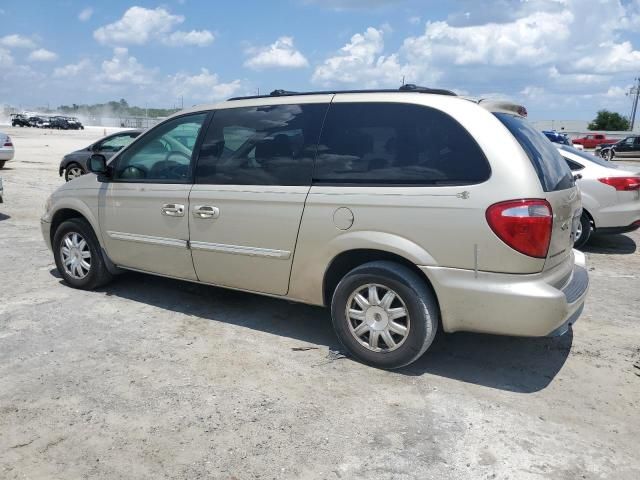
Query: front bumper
<point x="45" y="227"/>
<point x="535" y="305"/>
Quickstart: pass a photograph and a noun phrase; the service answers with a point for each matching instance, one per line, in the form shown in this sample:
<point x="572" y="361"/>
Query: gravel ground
<point x="155" y="378"/>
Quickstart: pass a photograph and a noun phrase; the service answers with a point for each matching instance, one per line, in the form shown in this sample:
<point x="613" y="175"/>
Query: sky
<point x="563" y="59"/>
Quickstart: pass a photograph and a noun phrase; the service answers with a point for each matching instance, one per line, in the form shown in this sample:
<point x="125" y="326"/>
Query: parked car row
<point x="43" y="121"/>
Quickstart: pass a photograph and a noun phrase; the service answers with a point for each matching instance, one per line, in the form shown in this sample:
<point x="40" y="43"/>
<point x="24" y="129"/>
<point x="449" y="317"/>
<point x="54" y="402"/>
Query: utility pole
<point x="635" y="93"/>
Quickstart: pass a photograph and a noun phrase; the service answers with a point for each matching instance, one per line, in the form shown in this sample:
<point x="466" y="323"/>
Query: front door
<point x="252" y="179"/>
<point x="144" y="208"/>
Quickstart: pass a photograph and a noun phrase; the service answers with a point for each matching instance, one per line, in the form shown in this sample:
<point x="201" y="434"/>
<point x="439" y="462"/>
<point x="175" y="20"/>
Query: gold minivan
<point x="404" y="211"/>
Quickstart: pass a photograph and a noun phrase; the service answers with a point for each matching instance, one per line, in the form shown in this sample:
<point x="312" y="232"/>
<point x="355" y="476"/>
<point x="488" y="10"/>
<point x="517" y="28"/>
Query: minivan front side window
<point x="162" y="155"/>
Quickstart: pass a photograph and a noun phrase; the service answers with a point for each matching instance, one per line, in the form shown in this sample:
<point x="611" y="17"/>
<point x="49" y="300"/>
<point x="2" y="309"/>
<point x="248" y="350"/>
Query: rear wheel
<point x="584" y="231"/>
<point x="78" y="255"/>
<point x="73" y="170"/>
<point x="384" y="314"/>
<point x="609" y="154"/>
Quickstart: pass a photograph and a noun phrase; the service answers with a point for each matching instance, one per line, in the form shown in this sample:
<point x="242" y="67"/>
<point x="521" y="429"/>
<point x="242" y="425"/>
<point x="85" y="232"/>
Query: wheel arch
<point x="347" y="260"/>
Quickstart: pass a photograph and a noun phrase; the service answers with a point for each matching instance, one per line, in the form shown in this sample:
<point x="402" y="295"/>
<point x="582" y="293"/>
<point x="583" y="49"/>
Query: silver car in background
<point x="610" y="194"/>
<point x="7" y="150"/>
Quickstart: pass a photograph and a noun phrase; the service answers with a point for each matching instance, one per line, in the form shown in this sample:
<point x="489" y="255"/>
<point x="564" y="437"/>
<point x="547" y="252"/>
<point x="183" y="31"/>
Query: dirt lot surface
<point x="155" y="378"/>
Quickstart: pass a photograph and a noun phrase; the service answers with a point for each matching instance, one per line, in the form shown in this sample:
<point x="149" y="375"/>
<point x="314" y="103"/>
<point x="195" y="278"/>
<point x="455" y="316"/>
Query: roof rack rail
<point x="282" y="93"/>
<point x="409" y="87"/>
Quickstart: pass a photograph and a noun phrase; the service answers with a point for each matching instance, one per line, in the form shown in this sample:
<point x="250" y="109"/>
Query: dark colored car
<point x="19" y="120"/>
<point x="73" y="123"/>
<point x="627" y="147"/>
<point x="556" y="137"/>
<point x="74" y="164"/>
<point x="61" y="123"/>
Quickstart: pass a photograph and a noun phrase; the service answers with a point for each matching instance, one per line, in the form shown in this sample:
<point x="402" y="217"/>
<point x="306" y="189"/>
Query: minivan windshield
<point x="552" y="170"/>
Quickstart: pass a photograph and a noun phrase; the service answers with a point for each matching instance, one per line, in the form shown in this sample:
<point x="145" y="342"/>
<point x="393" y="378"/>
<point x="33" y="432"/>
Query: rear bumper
<point x="534" y="305"/>
<point x="6" y="155"/>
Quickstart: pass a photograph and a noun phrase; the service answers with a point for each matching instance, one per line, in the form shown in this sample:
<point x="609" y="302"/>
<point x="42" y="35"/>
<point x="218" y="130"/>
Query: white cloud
<point x="6" y="59"/>
<point x="201" y="87"/>
<point x="124" y="68"/>
<point x="17" y="41"/>
<point x="199" y="38"/>
<point x="610" y="58"/>
<point x="360" y="62"/>
<point x="72" y="69"/>
<point x="85" y="14"/>
<point x="280" y="54"/>
<point x="42" y="55"/>
<point x="354" y="4"/>
<point x="140" y="25"/>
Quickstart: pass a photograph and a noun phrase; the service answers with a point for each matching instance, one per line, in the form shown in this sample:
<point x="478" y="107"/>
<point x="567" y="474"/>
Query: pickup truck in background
<point x="593" y="140"/>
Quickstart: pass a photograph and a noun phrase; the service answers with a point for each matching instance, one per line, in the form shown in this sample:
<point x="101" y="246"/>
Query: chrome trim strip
<point x="134" y="237"/>
<point x="241" y="250"/>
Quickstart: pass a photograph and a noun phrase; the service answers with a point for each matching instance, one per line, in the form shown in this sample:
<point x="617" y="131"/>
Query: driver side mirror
<point x="98" y="164"/>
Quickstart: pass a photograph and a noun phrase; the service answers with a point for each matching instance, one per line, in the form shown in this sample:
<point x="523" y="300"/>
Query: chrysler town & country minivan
<point x="406" y="212"/>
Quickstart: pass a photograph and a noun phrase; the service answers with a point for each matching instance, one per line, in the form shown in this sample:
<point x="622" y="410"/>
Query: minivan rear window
<point x="552" y="170"/>
<point x="396" y="144"/>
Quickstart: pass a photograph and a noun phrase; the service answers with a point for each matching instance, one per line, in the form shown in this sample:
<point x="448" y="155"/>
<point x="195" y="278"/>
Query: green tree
<point x="612" y="121"/>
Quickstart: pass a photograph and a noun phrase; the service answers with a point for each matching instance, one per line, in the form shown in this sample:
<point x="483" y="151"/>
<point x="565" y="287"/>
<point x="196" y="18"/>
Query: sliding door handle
<point x="172" y="210"/>
<point x="206" y="211"/>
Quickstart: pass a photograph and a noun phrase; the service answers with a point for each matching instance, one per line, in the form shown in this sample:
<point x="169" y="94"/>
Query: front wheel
<point x="73" y="171"/>
<point x="384" y="314"/>
<point x="78" y="255"/>
<point x="2" y="164"/>
<point x="583" y="233"/>
<point x="608" y="155"/>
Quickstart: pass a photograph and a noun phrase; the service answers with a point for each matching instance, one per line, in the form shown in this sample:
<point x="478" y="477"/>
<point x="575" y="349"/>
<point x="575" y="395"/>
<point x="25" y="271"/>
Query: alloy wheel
<point x="75" y="255"/>
<point x="378" y="318"/>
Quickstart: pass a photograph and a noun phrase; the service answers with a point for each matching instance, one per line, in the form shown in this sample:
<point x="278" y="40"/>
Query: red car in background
<point x="593" y="140"/>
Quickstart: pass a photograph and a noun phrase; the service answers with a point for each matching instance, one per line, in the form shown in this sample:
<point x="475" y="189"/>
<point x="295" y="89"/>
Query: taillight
<point x="525" y="225"/>
<point x="7" y="142"/>
<point x="623" y="184"/>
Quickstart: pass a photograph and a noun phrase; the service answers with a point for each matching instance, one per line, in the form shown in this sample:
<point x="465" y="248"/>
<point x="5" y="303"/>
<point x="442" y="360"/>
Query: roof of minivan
<point x="282" y="96"/>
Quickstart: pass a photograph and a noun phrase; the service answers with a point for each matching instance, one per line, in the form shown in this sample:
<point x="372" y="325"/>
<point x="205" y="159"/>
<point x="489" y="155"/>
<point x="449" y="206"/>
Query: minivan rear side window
<point x="552" y="170"/>
<point x="266" y="145"/>
<point x="396" y="144"/>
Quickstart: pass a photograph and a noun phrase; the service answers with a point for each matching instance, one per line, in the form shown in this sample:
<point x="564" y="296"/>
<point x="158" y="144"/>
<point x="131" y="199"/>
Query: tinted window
<point x="573" y="165"/>
<point x="588" y="156"/>
<point x="163" y="154"/>
<point x="117" y="142"/>
<point x="268" y="145"/>
<point x="552" y="170"/>
<point x="396" y="143"/>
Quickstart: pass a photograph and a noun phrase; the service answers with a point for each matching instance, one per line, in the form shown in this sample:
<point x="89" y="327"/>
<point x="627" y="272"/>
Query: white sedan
<point x="610" y="194"/>
<point x="6" y="149"/>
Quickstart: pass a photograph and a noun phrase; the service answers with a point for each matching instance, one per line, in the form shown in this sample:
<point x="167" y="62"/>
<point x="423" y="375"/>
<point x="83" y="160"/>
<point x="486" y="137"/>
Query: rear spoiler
<point x="500" y="106"/>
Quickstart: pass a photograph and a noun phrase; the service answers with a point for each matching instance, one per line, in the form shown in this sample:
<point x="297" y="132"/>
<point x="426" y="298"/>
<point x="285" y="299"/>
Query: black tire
<point x="69" y="168"/>
<point x="2" y="164"/>
<point x="420" y="302"/>
<point x="587" y="230"/>
<point x="98" y="275"/>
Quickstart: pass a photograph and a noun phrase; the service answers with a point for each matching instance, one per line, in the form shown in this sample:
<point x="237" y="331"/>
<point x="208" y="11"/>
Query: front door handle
<point x="173" y="210"/>
<point x="206" y="211"/>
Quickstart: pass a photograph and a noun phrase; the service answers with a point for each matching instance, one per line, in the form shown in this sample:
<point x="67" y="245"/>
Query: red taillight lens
<point x="623" y="184"/>
<point x="8" y="144"/>
<point x="525" y="225"/>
